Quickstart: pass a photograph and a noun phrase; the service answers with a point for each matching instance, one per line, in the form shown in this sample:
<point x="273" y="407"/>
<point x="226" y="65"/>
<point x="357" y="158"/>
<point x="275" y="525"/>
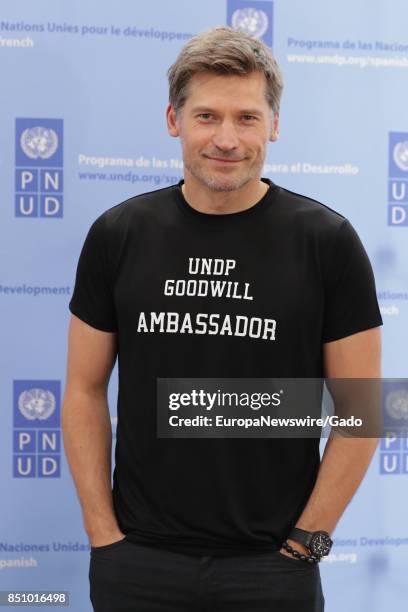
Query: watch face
<point x="320" y="544"/>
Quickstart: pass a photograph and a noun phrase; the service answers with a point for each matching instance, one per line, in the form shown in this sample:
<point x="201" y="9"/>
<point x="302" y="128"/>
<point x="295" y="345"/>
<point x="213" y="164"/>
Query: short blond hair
<point x="224" y="50"/>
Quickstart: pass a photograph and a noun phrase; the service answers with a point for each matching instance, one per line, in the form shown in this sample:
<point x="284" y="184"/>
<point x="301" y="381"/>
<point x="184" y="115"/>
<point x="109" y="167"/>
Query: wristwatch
<point x="318" y="542"/>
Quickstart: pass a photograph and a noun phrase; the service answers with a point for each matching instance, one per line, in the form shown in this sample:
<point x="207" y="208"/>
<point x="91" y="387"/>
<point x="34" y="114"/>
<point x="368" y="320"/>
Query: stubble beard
<point x="218" y="183"/>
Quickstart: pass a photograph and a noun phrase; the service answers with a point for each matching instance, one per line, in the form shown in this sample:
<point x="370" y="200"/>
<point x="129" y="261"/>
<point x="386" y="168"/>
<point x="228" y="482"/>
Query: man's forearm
<point x="87" y="434"/>
<point x="343" y="465"/>
<point x="345" y="459"/>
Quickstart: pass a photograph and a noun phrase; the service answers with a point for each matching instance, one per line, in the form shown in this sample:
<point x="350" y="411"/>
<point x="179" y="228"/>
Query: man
<point x="207" y="523"/>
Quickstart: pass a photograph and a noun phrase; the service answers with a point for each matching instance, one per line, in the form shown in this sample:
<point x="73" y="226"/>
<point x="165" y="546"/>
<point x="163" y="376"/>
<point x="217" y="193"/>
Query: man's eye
<point x="247" y="117"/>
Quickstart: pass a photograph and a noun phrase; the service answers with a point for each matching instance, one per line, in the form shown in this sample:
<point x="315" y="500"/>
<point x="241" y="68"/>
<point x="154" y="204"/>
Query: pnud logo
<point x="39" y="168"/>
<point x="36" y="429"/>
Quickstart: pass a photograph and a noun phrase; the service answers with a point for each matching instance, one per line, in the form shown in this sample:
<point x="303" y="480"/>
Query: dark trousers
<point x="128" y="577"/>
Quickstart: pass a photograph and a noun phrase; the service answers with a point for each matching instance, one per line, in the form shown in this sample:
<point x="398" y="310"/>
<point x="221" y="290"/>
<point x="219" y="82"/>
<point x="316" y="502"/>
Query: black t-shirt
<point x="296" y="262"/>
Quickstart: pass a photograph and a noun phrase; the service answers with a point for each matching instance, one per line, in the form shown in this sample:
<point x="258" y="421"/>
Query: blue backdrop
<point x="82" y="123"/>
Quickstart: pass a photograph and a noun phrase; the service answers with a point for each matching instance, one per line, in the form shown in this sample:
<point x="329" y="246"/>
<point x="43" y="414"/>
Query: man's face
<point x="224" y="118"/>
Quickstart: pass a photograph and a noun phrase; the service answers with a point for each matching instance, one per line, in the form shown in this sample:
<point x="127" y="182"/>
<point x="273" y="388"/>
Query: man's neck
<point x="223" y="202"/>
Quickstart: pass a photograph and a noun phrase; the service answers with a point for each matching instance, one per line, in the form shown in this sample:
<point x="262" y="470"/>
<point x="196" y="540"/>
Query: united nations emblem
<point x="39" y="142"/>
<point x="400" y="155"/>
<point x="397" y="404"/>
<point x="250" y="20"/>
<point x="36" y="404"/>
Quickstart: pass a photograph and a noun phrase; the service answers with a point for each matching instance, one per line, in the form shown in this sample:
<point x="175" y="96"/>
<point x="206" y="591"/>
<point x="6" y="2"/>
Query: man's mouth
<point x="224" y="160"/>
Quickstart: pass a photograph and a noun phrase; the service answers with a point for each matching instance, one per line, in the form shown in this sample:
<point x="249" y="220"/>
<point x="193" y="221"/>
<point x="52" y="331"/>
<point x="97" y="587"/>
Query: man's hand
<point x="105" y="538"/>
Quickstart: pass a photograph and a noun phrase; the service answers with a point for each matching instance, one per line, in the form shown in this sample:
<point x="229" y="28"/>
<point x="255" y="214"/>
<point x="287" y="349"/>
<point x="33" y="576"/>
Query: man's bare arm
<point x="86" y="427"/>
<point x="345" y="460"/>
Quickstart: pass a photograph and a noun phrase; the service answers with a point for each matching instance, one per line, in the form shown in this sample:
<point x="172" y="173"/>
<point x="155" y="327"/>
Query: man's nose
<point x="225" y="136"/>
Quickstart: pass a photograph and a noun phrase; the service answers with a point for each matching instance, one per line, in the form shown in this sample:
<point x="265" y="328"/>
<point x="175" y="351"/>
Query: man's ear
<point x="274" y="135"/>
<point x="172" y="126"/>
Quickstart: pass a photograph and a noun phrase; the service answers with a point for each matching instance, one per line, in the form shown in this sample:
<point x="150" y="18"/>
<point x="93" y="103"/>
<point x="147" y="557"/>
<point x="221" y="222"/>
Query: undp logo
<point x="397" y="405"/>
<point x="36" y="429"/>
<point x="39" y="168"/>
<point x="394" y="443"/>
<point x="39" y="142"/>
<point x="401" y="155"/>
<point x="254" y="18"/>
<point x="36" y="404"/>
<point x="398" y="179"/>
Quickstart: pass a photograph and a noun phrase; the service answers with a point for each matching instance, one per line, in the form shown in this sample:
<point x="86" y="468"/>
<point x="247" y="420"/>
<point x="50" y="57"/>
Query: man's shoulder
<point x="145" y="203"/>
<point x="310" y="211"/>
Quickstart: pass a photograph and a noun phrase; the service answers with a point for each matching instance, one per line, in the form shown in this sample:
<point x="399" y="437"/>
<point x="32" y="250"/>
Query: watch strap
<point x="301" y="536"/>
